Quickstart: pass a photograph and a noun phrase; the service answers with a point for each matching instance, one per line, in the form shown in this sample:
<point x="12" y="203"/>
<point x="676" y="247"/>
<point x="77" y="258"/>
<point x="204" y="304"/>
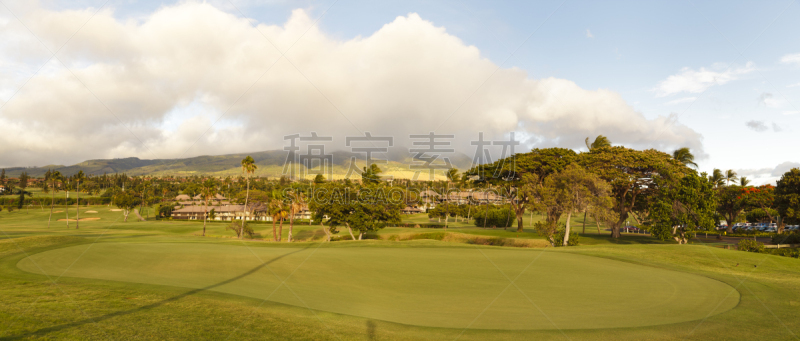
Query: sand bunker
<point x="82" y="219"/>
<point x="116" y="210"/>
<point x="90" y="212"/>
<point x="58" y="211"/>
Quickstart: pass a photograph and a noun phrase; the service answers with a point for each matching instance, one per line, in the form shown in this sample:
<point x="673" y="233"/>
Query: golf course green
<point x="458" y="287"/>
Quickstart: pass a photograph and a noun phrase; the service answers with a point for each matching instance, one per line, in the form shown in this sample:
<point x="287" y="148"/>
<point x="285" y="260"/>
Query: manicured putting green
<point x="438" y="287"/>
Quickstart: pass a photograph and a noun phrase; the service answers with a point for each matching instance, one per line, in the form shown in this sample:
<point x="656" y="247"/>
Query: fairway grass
<point x="161" y="280"/>
<point x="433" y="287"/>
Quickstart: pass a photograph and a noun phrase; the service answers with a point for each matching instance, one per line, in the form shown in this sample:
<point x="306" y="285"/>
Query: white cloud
<point x="758" y="126"/>
<point x="789" y="113"/>
<point x="589" y="34"/>
<point x="768" y="100"/>
<point x="168" y="76"/>
<point x="697" y="81"/>
<point x="763" y="176"/>
<point x="761" y="126"/>
<point x="793" y="85"/>
<point x="791" y="59"/>
<point x="681" y="100"/>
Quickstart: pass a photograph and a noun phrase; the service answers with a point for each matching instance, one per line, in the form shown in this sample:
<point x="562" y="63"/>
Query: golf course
<point x="111" y="279"/>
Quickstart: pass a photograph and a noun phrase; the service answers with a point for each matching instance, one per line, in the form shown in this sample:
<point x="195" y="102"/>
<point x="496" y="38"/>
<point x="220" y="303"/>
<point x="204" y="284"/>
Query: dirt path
<point x="136" y="212"/>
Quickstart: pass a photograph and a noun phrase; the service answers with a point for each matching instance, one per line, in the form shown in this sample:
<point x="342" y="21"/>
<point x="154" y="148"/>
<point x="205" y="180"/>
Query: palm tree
<point x="684" y="156"/>
<point x="730" y="175"/>
<point x="207" y="191"/>
<point x="599" y="142"/>
<point x="278" y="212"/>
<point x="744" y="181"/>
<point x="65" y="182"/>
<point x="298" y="201"/>
<point x="248" y="167"/>
<point x="717" y="178"/>
<point x="78" y="178"/>
<point x="54" y="176"/>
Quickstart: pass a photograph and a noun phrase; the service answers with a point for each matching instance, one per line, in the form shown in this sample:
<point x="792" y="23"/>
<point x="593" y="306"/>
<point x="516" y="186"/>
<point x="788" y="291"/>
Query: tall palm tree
<point x="207" y="192"/>
<point x="599" y="142"/>
<point x="278" y="212"/>
<point x="730" y="175"/>
<point x="65" y="182"/>
<point x="717" y="178"/>
<point x="78" y="178"/>
<point x="298" y="200"/>
<point x="248" y="167"/>
<point x="744" y="181"/>
<point x="54" y="176"/>
<point x="684" y="156"/>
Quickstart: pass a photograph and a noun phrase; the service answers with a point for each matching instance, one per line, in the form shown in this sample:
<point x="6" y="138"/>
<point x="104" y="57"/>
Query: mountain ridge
<point x="270" y="164"/>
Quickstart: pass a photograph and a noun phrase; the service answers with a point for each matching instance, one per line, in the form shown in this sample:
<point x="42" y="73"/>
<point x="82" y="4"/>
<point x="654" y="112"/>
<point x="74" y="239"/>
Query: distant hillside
<point x="270" y="163"/>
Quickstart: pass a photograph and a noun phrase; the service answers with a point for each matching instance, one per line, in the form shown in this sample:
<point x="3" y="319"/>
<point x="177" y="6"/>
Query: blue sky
<point x="747" y="114"/>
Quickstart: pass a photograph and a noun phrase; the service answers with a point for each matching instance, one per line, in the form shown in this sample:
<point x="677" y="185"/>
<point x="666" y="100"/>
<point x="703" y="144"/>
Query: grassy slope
<point x="99" y="309"/>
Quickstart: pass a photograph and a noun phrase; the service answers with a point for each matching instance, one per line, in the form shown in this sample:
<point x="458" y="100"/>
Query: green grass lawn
<point x="161" y="280"/>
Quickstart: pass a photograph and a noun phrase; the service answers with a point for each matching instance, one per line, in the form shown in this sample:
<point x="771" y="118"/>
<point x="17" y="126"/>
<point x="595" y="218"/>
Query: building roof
<point x="429" y="193"/>
<point x="220" y="209"/>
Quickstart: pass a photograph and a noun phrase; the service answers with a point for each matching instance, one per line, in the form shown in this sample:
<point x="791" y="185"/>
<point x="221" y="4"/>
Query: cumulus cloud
<point x="191" y="76"/>
<point x="767" y="175"/>
<point x="791" y="59"/>
<point x="697" y="81"/>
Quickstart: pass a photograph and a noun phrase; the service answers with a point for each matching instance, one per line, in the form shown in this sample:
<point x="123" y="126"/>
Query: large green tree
<point x="632" y="175"/>
<point x="730" y="204"/>
<point x="569" y="191"/>
<point x="761" y="197"/>
<point x="787" y="197"/>
<point x="682" y="206"/>
<point x="126" y="202"/>
<point x="360" y="210"/>
<point x="521" y="173"/>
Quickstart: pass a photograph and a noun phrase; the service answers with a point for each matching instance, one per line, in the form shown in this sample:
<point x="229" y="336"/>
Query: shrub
<point x="165" y="210"/>
<point x="495" y="217"/>
<point x="787" y="252"/>
<point x="559" y="238"/>
<point x="792" y="238"/>
<point x="750" y="245"/>
<point x="236" y="226"/>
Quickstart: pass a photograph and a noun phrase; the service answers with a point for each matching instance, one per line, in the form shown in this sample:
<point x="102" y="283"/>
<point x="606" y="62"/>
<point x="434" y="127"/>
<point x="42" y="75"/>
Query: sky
<point x="94" y="79"/>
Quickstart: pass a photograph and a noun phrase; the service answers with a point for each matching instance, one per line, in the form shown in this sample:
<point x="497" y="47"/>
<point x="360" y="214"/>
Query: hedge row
<point x="14" y="201"/>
